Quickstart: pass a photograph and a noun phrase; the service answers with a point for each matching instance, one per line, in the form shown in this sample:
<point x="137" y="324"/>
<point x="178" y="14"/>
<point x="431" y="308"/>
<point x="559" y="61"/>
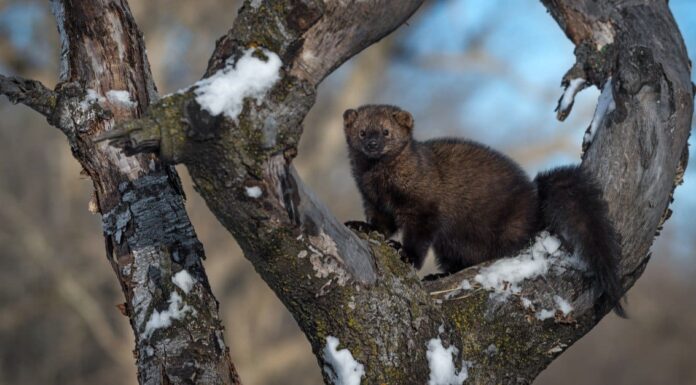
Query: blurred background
<point x="485" y="69"/>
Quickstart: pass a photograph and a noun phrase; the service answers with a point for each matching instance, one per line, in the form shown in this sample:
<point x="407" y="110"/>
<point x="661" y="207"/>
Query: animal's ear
<point x="404" y="119"/>
<point x="349" y="117"/>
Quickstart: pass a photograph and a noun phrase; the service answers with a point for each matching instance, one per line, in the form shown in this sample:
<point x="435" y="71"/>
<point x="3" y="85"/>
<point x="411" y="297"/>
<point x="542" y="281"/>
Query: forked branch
<point x="351" y="291"/>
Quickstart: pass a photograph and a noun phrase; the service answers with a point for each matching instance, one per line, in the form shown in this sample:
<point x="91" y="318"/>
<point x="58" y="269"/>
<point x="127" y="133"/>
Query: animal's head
<point x="378" y="130"/>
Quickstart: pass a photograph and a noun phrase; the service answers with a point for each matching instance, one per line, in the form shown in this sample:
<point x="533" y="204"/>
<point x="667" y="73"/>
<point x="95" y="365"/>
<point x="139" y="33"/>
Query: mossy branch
<point x="354" y="287"/>
<point x="161" y="130"/>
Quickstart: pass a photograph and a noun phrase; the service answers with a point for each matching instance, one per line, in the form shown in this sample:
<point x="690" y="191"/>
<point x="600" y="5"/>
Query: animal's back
<point x="476" y="175"/>
<point x="488" y="203"/>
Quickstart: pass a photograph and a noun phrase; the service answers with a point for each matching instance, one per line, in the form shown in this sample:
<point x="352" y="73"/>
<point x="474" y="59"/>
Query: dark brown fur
<point x="469" y="202"/>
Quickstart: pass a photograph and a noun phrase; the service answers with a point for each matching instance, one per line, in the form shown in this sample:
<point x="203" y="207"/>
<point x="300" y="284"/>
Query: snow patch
<point x="505" y="275"/>
<point x="545" y="314"/>
<point x="340" y="366"/>
<point x="177" y="310"/>
<point x="91" y="97"/>
<point x="527" y="303"/>
<point x="253" y="192"/>
<point x="551" y="244"/>
<point x="568" y="98"/>
<point x="184" y="280"/>
<point x="441" y="364"/>
<point x="250" y="77"/>
<point x="561" y="304"/>
<point x="605" y="105"/>
<point x="121" y="98"/>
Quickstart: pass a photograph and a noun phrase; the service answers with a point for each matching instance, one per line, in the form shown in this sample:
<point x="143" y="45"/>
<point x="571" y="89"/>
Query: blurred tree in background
<point x="451" y="66"/>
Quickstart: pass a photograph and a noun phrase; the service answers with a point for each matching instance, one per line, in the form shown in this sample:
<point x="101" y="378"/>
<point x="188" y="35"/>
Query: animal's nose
<point x="372" y="145"/>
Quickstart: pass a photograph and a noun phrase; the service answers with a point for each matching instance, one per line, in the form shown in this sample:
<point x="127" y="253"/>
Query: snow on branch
<point x="605" y="105"/>
<point x="441" y="364"/>
<point x="565" y="103"/>
<point x="504" y="276"/>
<point x="340" y="366"/>
<point x="250" y="77"/>
<point x="177" y="310"/>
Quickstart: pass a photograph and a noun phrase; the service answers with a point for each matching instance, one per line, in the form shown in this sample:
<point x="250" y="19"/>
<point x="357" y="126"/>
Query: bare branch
<point x="637" y="149"/>
<point x="31" y="93"/>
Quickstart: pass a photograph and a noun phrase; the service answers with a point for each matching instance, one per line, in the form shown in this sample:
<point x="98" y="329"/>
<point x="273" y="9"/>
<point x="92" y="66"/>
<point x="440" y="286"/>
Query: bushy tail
<point x="573" y="208"/>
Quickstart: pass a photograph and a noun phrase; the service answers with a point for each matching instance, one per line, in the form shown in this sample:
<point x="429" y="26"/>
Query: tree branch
<point x="149" y="239"/>
<point x="356" y="289"/>
<point x="31" y="93"/>
<point x="640" y="150"/>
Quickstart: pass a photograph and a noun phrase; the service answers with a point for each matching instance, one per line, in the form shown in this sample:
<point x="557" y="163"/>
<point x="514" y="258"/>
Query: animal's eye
<point x="385" y="132"/>
<point x="362" y="133"/>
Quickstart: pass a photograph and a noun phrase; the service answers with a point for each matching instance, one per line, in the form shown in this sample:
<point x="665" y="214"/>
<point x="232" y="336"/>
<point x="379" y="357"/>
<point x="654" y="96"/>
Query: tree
<point x="346" y="290"/>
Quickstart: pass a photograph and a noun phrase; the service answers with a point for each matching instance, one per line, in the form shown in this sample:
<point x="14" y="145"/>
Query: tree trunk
<point x="353" y="286"/>
<point x="150" y="242"/>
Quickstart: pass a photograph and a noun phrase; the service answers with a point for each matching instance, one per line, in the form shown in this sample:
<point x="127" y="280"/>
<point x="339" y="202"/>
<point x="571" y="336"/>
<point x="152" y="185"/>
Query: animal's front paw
<point x="405" y="258"/>
<point x="359" y="226"/>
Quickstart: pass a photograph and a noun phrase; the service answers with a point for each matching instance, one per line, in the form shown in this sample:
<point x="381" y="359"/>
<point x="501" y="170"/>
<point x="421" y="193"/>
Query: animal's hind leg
<point x="454" y="254"/>
<point x="415" y="245"/>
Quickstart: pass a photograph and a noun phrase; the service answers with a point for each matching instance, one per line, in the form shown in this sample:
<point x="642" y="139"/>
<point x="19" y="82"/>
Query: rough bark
<point x="148" y="235"/>
<point x="354" y="287"/>
<point x="376" y="306"/>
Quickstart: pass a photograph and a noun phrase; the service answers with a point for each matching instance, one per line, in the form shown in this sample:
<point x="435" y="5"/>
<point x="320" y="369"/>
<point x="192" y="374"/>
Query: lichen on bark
<point x="354" y="286"/>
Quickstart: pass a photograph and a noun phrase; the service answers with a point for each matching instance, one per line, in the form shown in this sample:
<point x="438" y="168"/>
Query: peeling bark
<point x="148" y="235"/>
